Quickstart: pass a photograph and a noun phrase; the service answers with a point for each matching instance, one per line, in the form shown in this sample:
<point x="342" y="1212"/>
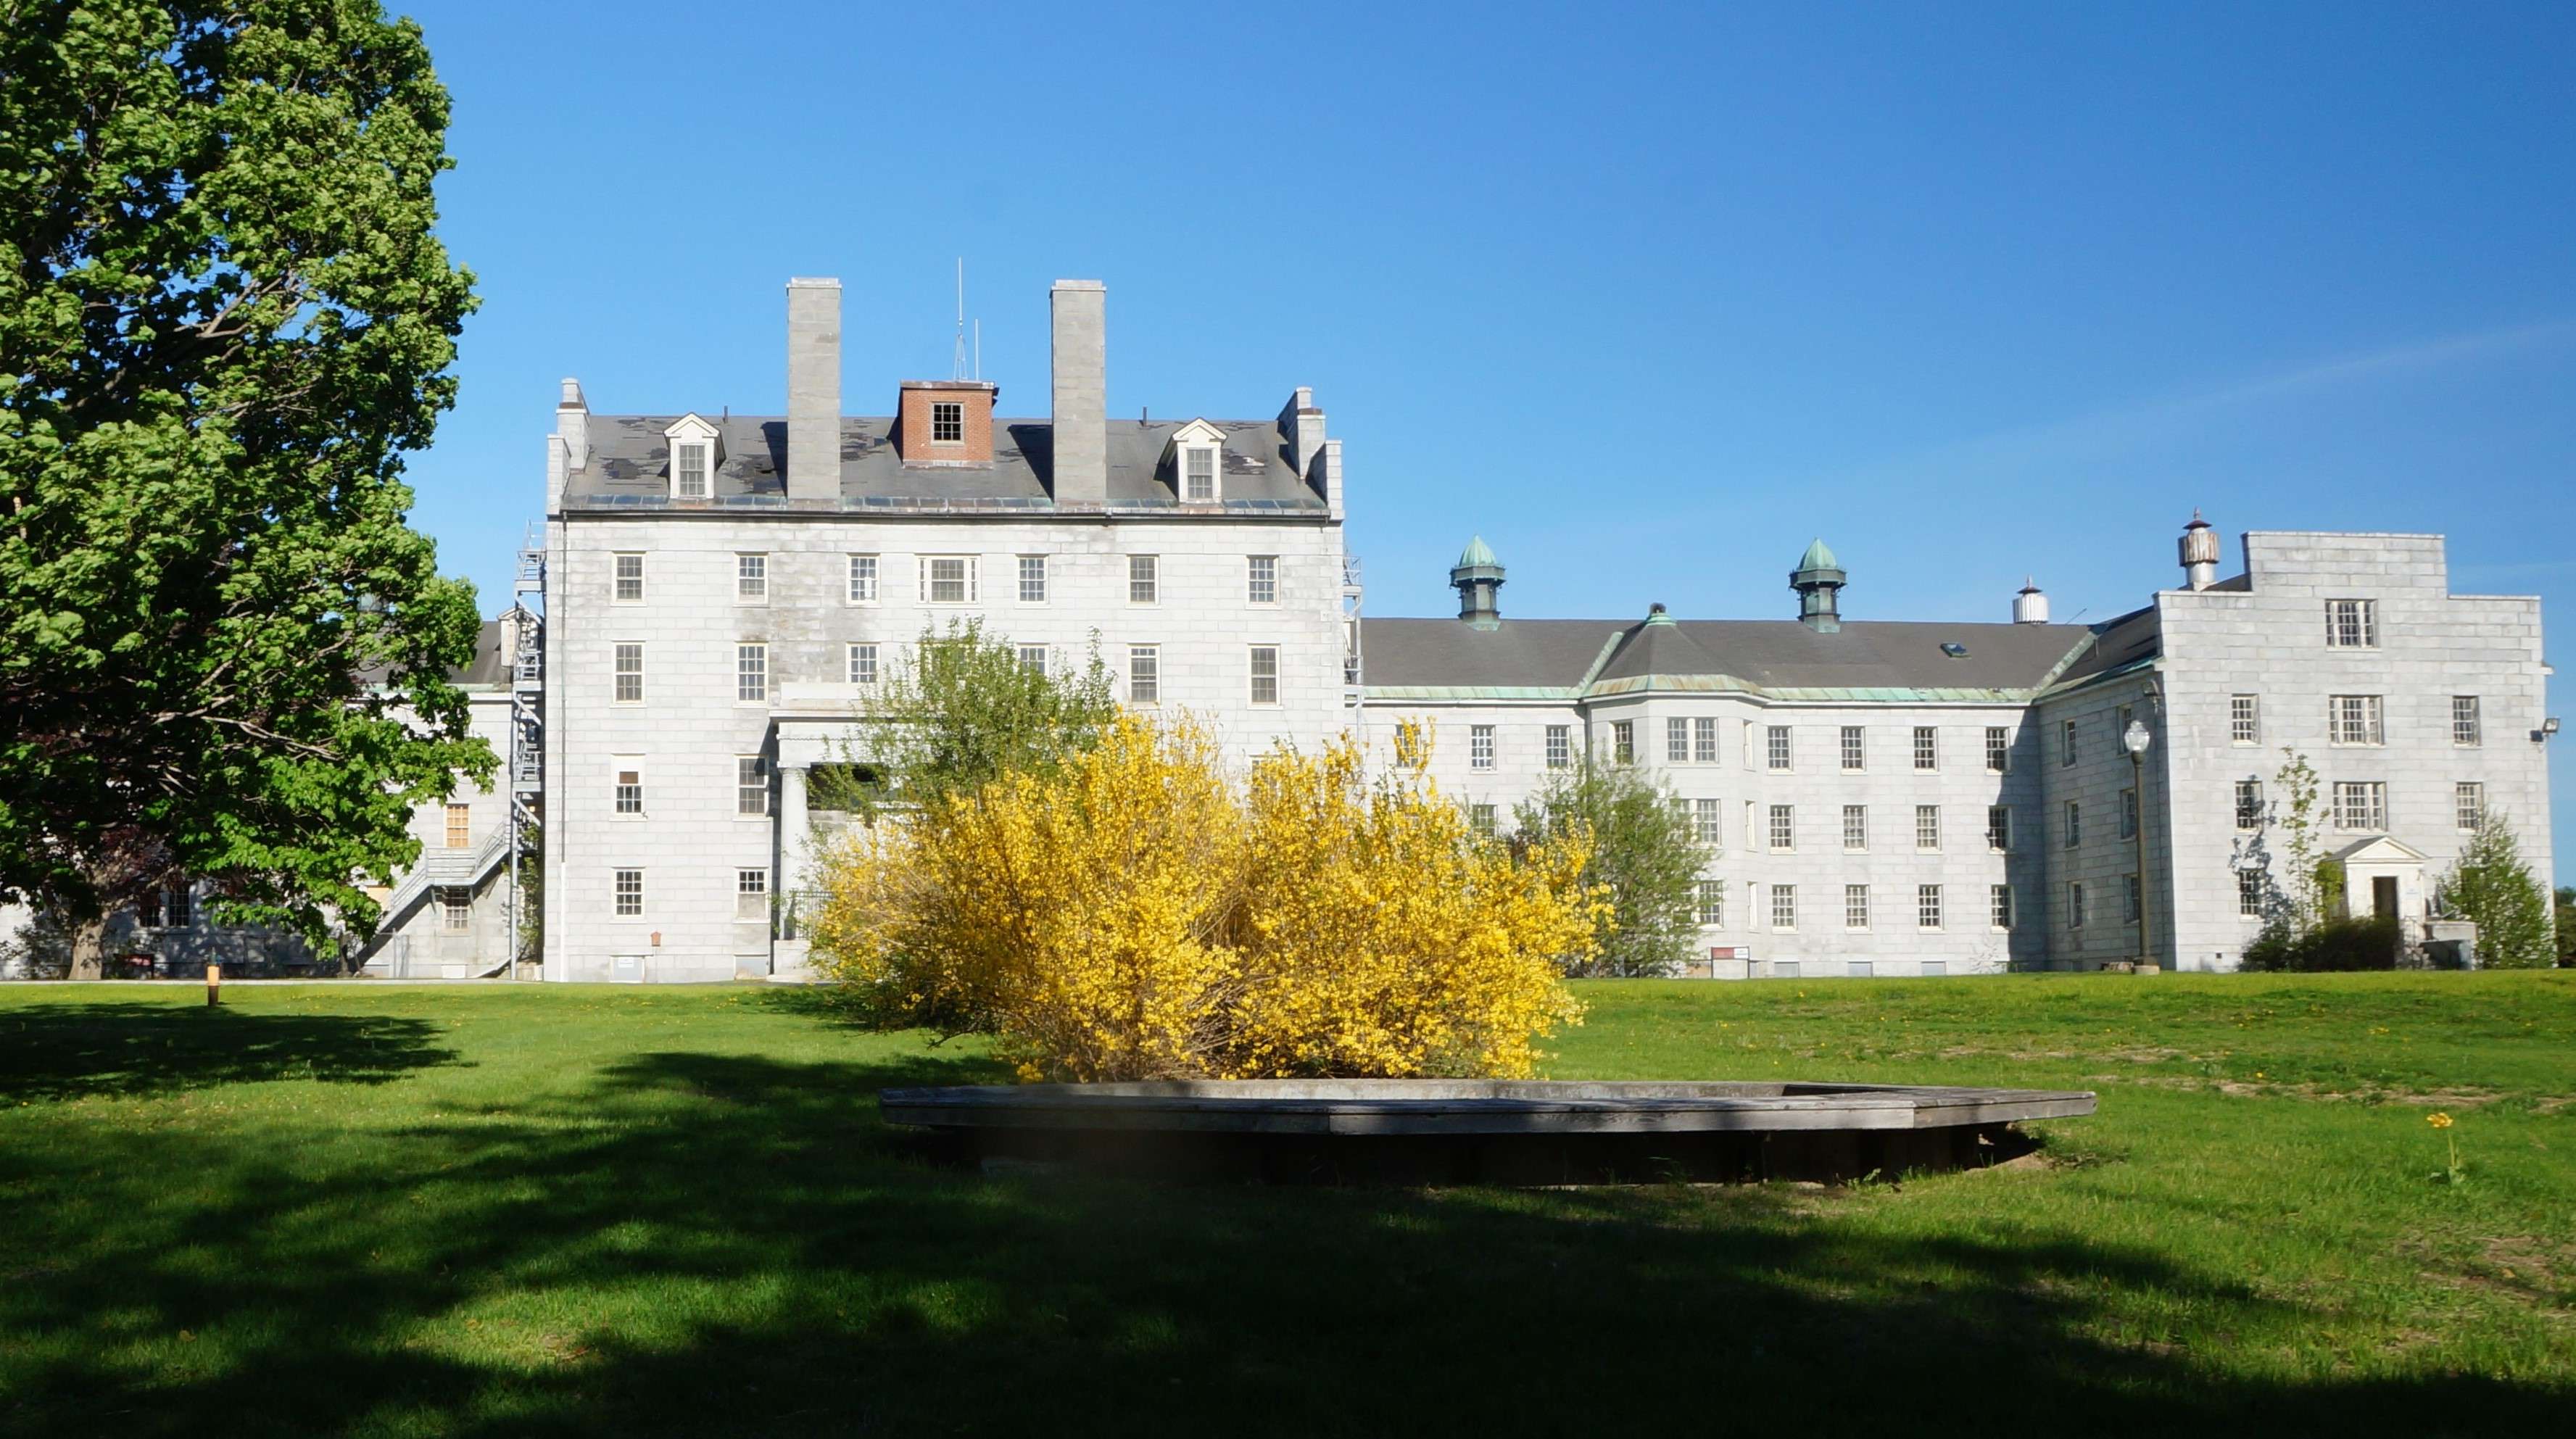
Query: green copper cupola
<point x="1818" y="579"/>
<point x="1476" y="576"/>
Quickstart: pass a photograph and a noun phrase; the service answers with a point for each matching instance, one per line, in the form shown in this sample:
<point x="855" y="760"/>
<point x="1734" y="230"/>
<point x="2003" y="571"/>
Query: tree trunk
<point x="89" y="948"/>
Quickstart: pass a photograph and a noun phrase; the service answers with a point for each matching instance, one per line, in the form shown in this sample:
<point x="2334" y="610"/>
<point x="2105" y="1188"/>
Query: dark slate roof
<point x="2119" y="644"/>
<point x="487" y="667"/>
<point x="1775" y="655"/>
<point x="630" y="459"/>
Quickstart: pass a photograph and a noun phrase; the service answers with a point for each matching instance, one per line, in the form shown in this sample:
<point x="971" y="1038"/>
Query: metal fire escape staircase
<point x="526" y="760"/>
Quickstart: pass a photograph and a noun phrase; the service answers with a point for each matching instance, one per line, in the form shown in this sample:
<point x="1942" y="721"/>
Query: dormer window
<point x="1200" y="461"/>
<point x="1197" y="461"/>
<point x="693" y="472"/>
<point x="696" y="451"/>
<point x="948" y="423"/>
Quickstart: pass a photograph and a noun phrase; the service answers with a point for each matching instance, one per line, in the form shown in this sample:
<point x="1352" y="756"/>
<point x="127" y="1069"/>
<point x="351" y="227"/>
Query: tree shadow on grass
<point x="709" y="1244"/>
<point x="72" y="1051"/>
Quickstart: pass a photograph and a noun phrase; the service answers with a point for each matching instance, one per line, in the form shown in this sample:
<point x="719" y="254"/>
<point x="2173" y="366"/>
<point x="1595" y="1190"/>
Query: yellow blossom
<point x="2438" y="1120"/>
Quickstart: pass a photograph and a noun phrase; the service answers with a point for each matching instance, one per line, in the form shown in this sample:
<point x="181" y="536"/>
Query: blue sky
<point x="1647" y="296"/>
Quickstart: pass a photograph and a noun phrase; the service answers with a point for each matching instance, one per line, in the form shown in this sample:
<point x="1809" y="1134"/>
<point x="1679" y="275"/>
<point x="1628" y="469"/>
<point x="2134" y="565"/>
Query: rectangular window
<point x="1144" y="674"/>
<point x="1999" y="906"/>
<point x="1265" y="688"/>
<point x="1261" y="580"/>
<point x="629" y="891"/>
<point x="750" y="785"/>
<point x="1199" y="464"/>
<point x="629" y="788"/>
<point x="2249" y="804"/>
<point x="750" y="673"/>
<point x="1927" y="747"/>
<point x="693" y="472"/>
<point x="1855" y="749"/>
<point x="1033" y="579"/>
<point x="948" y="579"/>
<point x="1779" y="747"/>
<point x="1856" y="827"/>
<point x="1784" y="827"/>
<point x="2465" y="727"/>
<point x="630" y="579"/>
<point x="2249" y="893"/>
<point x="1560" y="746"/>
<point x="1784" y="906"/>
<point x="1999" y="828"/>
<point x="1480" y="746"/>
<point x="2074" y="824"/>
<point x="863" y="664"/>
<point x="1480" y="818"/>
<point x="455" y="908"/>
<point x="1677" y="741"/>
<point x="1855" y="906"/>
<point x="947" y="422"/>
<point x="2469" y="807"/>
<point x="2244" y="719"/>
<point x="1704" y="740"/>
<point x="460" y="825"/>
<point x="751" y="894"/>
<point x="147" y="910"/>
<point x="182" y="906"/>
<point x="2066" y="744"/>
<point x="1998" y="749"/>
<point x="1144" y="578"/>
<point x="751" y="579"/>
<point x="1708" y="821"/>
<point x="863" y="579"/>
<point x="2354" y="719"/>
<point x="2128" y="899"/>
<point x="2362" y="806"/>
<point x="2075" y="904"/>
<point x="1927" y="827"/>
<point x="1927" y="906"/>
<point x="1712" y="904"/>
<point x="1623" y="742"/>
<point x="1033" y="658"/>
<point x="2128" y="814"/>
<point x="2120" y="722"/>
<point x="2352" y="624"/>
<point x="630" y="673"/>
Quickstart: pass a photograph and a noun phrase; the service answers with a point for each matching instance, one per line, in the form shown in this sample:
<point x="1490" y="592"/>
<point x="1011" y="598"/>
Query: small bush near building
<point x="2336" y="945"/>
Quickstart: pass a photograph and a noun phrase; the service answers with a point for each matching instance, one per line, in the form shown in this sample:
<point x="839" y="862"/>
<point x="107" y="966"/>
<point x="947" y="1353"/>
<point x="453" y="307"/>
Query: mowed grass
<point x="369" y="1209"/>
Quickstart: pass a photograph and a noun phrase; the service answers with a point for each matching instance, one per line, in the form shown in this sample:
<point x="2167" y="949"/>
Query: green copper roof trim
<point x="1476" y="555"/>
<point x="1698" y="684"/>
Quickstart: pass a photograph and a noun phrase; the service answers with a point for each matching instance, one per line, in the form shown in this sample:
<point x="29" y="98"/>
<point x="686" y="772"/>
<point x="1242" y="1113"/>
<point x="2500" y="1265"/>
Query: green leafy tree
<point x="224" y="317"/>
<point x="1644" y="847"/>
<point x="2566" y="923"/>
<point x="961" y="712"/>
<point x="2491" y="887"/>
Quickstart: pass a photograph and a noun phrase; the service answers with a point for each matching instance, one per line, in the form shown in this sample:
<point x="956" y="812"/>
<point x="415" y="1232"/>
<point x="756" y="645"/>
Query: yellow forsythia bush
<point x="1134" y="915"/>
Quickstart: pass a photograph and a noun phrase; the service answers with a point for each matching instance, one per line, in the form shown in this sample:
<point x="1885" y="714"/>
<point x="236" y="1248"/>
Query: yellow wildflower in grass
<point x="1135" y="915"/>
<point x="2438" y="1120"/>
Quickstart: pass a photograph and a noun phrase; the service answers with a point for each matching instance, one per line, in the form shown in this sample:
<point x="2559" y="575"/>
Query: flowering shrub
<point x="1133" y="914"/>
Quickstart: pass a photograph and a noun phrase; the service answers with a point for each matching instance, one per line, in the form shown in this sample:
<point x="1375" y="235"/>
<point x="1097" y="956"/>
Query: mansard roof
<point x="630" y="457"/>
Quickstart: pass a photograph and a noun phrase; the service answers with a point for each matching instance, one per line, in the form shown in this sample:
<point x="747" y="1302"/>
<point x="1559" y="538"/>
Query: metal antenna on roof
<point x="957" y="363"/>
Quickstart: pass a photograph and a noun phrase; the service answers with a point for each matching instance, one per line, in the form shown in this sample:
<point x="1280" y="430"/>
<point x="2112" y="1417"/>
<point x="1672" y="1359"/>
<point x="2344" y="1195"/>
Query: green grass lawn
<point x="357" y="1208"/>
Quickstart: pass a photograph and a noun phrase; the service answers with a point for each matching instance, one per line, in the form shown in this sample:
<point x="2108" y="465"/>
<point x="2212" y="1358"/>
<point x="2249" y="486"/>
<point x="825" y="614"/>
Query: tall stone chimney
<point x="2199" y="546"/>
<point x="572" y="421"/>
<point x="813" y="389"/>
<point x="1080" y="362"/>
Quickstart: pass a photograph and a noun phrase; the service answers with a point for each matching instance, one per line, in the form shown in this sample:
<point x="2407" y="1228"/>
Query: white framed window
<point x="1855" y="749"/>
<point x="628" y="570"/>
<point x="692" y="472"/>
<point x="2466" y="729"/>
<point x="863" y="663"/>
<point x="1784" y="968"/>
<point x="1677" y="741"/>
<point x="1998" y="749"/>
<point x="2128" y="899"/>
<point x="1480" y="818"/>
<point x="1265" y="691"/>
<point x="2244" y="719"/>
<point x="2361" y="805"/>
<point x="1927" y="747"/>
<point x="2120" y="722"/>
<point x="1999" y="906"/>
<point x="2354" y="720"/>
<point x="1855" y="906"/>
<point x="626" y="887"/>
<point x="751" y="579"/>
<point x="1198" y="472"/>
<point x="629" y="673"/>
<point x="2469" y="806"/>
<point x="1712" y="904"/>
<point x="947" y="422"/>
<point x="1784" y="827"/>
<point x="1784" y="907"/>
<point x="460" y="825"/>
<point x="1033" y="579"/>
<point x="2352" y="624"/>
<point x="1927" y="906"/>
<point x="1856" y="828"/>
<point x="626" y="787"/>
<point x="1480" y="746"/>
<point x="949" y="580"/>
<point x="1261" y="579"/>
<point x="751" y="894"/>
<point x="1704" y="740"/>
<point x="1708" y="821"/>
<point x="2075" y="904"/>
<point x="1623" y="742"/>
<point x="181" y="905"/>
<point x="2249" y="804"/>
<point x="2066" y="744"/>
<point x="863" y="579"/>
<point x="2249" y="893"/>
<point x="1560" y="746"/>
<point x="455" y="908"/>
<point x="1927" y="827"/>
<point x="1144" y="674"/>
<point x="1144" y="579"/>
<point x="2074" y="823"/>
<point x="750" y="786"/>
<point x="1999" y="828"/>
<point x="2128" y="814"/>
<point x="750" y="672"/>
<point x="1033" y="658"/>
<point x="1778" y="750"/>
